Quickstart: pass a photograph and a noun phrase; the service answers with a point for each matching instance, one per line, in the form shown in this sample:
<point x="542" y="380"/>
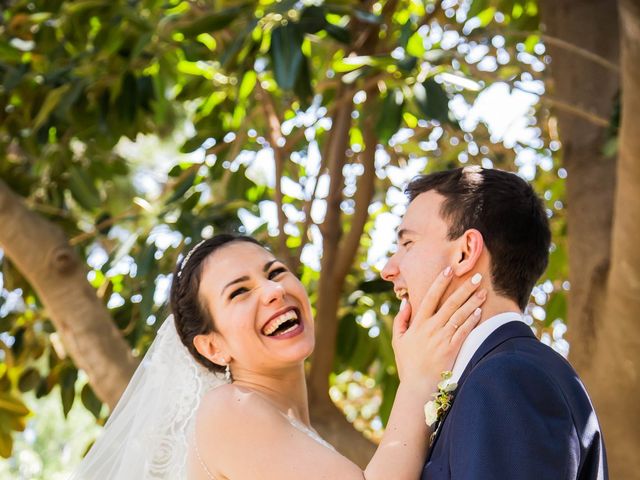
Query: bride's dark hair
<point x="192" y="317"/>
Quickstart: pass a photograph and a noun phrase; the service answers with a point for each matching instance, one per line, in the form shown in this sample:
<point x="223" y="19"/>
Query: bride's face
<point x="260" y="310"/>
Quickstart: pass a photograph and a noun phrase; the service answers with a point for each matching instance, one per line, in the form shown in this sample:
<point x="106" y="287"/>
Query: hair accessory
<point x="227" y="373"/>
<point x="186" y="259"/>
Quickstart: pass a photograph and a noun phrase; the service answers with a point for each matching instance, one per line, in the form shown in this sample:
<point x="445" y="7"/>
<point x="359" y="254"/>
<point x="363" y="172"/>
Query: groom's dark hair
<point x="506" y="211"/>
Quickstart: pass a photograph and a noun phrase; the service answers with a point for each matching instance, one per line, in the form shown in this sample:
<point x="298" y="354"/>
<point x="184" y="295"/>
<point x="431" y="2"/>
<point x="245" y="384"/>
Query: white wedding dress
<point x="147" y="435"/>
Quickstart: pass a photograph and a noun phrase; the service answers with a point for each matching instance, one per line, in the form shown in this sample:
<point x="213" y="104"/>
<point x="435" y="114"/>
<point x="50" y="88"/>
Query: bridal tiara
<point x="186" y="259"/>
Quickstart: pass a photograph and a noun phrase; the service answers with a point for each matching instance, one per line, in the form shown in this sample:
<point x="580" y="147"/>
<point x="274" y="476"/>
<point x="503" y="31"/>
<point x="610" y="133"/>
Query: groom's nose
<point x="390" y="270"/>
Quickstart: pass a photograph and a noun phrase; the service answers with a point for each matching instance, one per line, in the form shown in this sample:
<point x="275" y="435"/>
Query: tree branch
<point x="364" y="193"/>
<point x="345" y="99"/>
<point x="43" y="255"/>
<point x="328" y="289"/>
<point x="570" y="47"/>
<point x="277" y="142"/>
<point x="307" y="217"/>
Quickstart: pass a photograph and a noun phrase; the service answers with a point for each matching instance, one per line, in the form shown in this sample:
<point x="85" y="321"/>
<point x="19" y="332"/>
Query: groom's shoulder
<point x="524" y="367"/>
<point x="507" y="366"/>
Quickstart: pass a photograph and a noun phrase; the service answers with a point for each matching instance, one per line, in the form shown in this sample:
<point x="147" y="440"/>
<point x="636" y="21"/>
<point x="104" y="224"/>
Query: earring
<point x="227" y="373"/>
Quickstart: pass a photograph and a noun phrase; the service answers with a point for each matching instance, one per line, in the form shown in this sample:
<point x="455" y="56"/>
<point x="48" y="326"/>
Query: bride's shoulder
<point x="228" y="403"/>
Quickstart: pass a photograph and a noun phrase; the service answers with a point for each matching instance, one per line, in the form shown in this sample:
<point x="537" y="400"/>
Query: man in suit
<point x="519" y="410"/>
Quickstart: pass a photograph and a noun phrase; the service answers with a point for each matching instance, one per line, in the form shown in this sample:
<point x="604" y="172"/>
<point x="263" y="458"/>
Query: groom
<point x="519" y="411"/>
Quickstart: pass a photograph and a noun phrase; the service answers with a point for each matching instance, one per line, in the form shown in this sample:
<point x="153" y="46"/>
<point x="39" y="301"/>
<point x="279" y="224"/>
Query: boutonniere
<point x="442" y="399"/>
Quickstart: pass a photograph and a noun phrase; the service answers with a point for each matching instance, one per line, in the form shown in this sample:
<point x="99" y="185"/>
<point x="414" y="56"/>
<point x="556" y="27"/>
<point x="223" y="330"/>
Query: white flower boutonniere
<point x="435" y="409"/>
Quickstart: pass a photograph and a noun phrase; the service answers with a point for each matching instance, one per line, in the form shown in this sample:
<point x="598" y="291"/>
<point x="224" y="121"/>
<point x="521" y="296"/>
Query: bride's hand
<point x="428" y="345"/>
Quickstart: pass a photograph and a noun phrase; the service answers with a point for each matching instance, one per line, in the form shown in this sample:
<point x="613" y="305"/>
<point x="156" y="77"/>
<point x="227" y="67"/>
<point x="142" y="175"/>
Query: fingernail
<point x="477" y="312"/>
<point x="403" y="304"/>
<point x="476" y="278"/>
<point x="447" y="271"/>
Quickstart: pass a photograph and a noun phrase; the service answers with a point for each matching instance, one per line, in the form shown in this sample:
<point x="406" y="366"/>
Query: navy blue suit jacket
<point x="519" y="412"/>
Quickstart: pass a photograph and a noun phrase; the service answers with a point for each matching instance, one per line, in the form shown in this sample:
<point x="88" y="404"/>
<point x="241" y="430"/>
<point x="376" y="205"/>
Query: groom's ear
<point x="208" y="345"/>
<point x="470" y="246"/>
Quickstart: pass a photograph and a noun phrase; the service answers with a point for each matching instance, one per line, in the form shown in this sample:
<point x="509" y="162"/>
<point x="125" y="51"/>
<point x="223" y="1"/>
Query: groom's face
<point x="423" y="249"/>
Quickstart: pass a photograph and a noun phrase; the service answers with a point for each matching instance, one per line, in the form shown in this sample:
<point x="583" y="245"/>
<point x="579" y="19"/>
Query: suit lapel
<point x="502" y="334"/>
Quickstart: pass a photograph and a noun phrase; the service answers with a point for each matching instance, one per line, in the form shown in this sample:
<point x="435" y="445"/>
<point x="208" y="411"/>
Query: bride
<point x="221" y="393"/>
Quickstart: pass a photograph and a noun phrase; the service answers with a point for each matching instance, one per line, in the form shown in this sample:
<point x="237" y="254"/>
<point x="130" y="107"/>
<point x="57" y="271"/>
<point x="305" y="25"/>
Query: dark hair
<point x="506" y="211"/>
<point x="191" y="316"/>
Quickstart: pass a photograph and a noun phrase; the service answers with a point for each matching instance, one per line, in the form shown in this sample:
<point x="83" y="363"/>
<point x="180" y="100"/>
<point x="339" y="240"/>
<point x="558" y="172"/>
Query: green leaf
<point x="247" y="85"/>
<point x="238" y="185"/>
<point x="9" y="54"/>
<point x="182" y="187"/>
<point x="11" y="404"/>
<point x="286" y="55"/>
<point x="389" y="385"/>
<point x="49" y="104"/>
<point x="73" y="8"/>
<point x="303" y="88"/>
<point x="556" y="308"/>
<point x="347" y="337"/>
<point x="127" y="101"/>
<point x="376" y="286"/>
<point x="82" y="188"/>
<point x="476" y="7"/>
<point x="189" y="146"/>
<point x="338" y="33"/>
<point x="29" y="380"/>
<point x="432" y="100"/>
<point x="146" y="260"/>
<point x="486" y="16"/>
<point x="191" y="201"/>
<point x="367" y="17"/>
<point x="415" y="45"/>
<point x="6" y="444"/>
<point x="312" y="19"/>
<point x="68" y="377"/>
<point x="91" y="401"/>
<point x="390" y="116"/>
<point x="349" y="64"/>
<point x="211" y="22"/>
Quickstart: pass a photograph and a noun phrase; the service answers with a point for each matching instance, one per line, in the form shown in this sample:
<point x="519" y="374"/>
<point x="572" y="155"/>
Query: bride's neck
<point x="286" y="388"/>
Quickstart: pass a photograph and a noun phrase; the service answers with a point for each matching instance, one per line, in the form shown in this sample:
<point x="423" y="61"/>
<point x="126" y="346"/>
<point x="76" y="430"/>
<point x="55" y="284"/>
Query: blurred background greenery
<point x="132" y="129"/>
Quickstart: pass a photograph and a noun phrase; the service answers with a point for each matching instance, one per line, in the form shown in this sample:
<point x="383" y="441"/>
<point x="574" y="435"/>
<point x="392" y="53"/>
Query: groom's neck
<point x="496" y="304"/>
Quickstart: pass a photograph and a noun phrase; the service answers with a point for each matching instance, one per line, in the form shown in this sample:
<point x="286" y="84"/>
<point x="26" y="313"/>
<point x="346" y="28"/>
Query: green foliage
<point x="78" y="80"/>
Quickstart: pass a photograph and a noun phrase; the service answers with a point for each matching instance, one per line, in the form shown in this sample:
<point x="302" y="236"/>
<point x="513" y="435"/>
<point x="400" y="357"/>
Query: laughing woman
<point x="228" y="400"/>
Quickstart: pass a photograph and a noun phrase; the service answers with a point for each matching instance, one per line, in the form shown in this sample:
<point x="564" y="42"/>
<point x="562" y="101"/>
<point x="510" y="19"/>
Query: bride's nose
<point x="272" y="292"/>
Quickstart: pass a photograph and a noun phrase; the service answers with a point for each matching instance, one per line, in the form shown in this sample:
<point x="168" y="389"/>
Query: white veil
<point x="147" y="434"/>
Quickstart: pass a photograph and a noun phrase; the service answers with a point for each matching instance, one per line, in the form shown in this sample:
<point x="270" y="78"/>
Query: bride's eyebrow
<point x="244" y="278"/>
<point x="233" y="282"/>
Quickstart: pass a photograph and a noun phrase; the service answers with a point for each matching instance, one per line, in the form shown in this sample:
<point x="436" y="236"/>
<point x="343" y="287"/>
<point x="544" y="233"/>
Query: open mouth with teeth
<point x="282" y="324"/>
<point x="402" y="293"/>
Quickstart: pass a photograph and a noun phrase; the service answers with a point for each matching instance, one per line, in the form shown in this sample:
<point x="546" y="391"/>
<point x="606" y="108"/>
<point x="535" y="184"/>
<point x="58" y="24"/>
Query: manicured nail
<point x="447" y="271"/>
<point x="477" y="312"/>
<point x="476" y="278"/>
<point x="403" y="304"/>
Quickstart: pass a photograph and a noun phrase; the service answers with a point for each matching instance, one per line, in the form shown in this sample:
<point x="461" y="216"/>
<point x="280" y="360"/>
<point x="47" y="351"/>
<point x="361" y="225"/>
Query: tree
<point x="603" y="173"/>
<point x="337" y="95"/>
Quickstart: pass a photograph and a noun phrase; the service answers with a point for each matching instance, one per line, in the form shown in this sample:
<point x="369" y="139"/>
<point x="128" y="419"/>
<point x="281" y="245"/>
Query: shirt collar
<point x="477" y="336"/>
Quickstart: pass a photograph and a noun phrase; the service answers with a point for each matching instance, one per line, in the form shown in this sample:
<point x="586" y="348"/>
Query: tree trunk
<point x="616" y="365"/>
<point x="601" y="225"/>
<point x="41" y="252"/>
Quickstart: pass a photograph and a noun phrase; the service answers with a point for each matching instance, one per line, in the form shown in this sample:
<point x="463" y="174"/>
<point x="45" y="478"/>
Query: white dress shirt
<point x="477" y="336"/>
